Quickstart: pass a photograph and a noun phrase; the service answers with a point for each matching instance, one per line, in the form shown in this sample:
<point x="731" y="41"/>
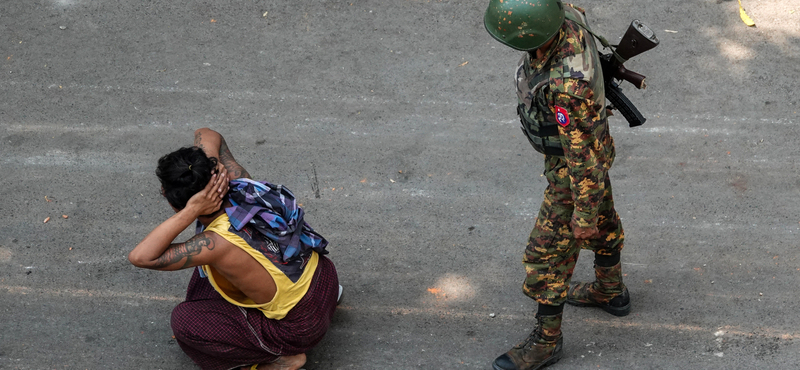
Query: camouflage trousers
<point x="552" y="249"/>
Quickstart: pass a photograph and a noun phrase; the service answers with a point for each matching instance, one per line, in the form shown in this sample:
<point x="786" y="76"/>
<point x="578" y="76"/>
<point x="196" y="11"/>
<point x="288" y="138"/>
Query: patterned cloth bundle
<point x="272" y="211"/>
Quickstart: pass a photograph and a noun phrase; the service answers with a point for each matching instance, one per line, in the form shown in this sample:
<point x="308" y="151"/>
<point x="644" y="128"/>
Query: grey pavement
<point x="394" y="123"/>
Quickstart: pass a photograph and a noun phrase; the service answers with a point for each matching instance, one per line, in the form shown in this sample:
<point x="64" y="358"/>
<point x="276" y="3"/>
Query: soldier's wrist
<point x="584" y="222"/>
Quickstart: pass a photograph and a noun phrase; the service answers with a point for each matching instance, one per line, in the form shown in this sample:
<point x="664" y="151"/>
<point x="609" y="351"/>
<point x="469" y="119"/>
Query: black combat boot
<point x="607" y="292"/>
<point x="542" y="348"/>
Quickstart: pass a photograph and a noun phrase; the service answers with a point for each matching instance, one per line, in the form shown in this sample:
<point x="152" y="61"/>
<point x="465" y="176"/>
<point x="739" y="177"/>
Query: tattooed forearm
<point x="177" y="252"/>
<point x="198" y="139"/>
<point x="234" y="169"/>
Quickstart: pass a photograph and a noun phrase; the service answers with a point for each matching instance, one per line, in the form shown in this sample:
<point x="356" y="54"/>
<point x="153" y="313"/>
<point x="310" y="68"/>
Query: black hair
<point x="184" y="173"/>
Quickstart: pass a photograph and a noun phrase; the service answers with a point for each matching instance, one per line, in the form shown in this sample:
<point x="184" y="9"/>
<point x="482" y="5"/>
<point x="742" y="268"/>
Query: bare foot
<point x="285" y="363"/>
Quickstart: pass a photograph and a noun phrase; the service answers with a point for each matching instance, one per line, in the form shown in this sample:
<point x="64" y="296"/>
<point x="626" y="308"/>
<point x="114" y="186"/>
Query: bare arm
<point x="214" y="145"/>
<point x="156" y="252"/>
<point x="199" y="250"/>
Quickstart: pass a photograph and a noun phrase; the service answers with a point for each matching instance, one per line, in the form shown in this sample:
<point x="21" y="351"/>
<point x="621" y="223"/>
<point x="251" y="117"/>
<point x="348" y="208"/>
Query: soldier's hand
<point x="584" y="232"/>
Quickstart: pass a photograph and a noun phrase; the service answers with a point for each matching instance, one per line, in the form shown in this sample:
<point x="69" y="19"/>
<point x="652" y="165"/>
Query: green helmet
<point x="523" y="24"/>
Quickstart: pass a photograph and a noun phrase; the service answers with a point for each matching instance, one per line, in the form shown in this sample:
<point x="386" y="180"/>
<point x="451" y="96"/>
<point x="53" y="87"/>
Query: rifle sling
<point x="602" y="39"/>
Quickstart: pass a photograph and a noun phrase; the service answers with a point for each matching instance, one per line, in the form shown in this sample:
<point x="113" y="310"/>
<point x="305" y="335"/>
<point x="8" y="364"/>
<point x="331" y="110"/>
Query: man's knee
<point x="180" y="321"/>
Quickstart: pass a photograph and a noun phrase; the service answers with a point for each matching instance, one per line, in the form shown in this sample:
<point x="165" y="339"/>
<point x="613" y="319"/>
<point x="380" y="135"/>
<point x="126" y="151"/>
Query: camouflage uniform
<point x="562" y="109"/>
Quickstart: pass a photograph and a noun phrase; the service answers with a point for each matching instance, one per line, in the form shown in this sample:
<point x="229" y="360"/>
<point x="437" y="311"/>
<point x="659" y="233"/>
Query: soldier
<point x="561" y="105"/>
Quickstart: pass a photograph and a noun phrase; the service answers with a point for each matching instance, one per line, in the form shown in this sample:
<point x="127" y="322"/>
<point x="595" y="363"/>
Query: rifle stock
<point x="637" y="39"/>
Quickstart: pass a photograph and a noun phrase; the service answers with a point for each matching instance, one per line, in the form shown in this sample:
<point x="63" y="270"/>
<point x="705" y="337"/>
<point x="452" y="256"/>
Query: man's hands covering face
<point x="208" y="200"/>
<point x="220" y="168"/>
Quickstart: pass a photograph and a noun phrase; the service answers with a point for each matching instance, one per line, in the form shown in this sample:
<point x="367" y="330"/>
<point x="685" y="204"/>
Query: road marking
<point x="614" y="323"/>
<point x="81" y="293"/>
<point x="117" y="162"/>
<point x="430" y="311"/>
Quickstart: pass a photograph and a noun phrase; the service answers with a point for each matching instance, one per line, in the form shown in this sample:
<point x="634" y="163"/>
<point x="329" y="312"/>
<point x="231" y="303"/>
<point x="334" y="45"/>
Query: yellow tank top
<point x="288" y="293"/>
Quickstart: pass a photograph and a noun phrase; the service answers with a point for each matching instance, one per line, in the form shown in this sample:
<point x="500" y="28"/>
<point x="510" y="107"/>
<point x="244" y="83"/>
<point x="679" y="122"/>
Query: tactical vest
<point x="535" y="88"/>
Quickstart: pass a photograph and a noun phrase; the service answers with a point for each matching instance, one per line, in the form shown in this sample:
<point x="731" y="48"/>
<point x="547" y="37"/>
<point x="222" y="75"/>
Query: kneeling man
<point x="262" y="293"/>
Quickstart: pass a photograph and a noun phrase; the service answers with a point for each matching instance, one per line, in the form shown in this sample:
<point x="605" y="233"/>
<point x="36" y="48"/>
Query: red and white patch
<point x="562" y="117"/>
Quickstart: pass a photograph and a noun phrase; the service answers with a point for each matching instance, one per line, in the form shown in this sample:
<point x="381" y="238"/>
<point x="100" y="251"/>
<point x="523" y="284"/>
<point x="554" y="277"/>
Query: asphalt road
<point x="394" y="124"/>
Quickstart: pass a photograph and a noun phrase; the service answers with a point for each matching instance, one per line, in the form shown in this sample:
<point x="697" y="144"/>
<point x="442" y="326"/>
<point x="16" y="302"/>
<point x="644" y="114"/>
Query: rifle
<point x="637" y="39"/>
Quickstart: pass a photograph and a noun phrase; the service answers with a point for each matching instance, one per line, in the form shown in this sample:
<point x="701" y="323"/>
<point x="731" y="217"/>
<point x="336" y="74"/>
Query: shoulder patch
<point x="562" y="117"/>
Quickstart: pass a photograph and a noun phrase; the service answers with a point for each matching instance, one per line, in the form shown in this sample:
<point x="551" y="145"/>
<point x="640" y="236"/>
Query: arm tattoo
<point x="198" y="138"/>
<point x="176" y="252"/>
<point x="227" y="160"/>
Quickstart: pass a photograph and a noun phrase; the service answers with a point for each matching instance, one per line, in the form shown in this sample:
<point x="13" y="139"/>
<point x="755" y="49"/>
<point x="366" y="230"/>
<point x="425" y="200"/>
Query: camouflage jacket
<point x="572" y="98"/>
